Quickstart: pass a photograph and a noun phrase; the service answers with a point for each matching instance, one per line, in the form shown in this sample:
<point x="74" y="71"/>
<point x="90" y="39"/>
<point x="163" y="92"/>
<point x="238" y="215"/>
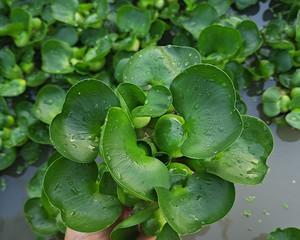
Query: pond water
<point x="258" y="209"/>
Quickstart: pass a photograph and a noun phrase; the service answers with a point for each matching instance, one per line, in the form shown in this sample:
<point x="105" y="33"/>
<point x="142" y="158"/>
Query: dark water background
<point x="276" y="203"/>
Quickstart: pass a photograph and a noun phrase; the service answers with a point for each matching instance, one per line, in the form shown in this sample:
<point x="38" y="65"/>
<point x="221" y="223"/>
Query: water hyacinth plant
<point x="62" y="42"/>
<point x="171" y="144"/>
<point x="138" y="104"/>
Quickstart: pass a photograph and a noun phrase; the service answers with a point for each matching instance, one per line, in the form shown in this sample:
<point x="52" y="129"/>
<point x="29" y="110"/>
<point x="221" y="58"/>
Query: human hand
<point x="104" y="235"/>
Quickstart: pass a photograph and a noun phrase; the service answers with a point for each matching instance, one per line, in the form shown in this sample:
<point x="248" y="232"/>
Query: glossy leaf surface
<point x="71" y="187"/>
<point x="127" y="163"/>
<point x="159" y="65"/>
<point x="204" y="199"/>
<point x="245" y="160"/>
<point x="75" y="132"/>
<point x="38" y="218"/>
<point x="158" y="101"/>
<point x="56" y="56"/>
<point x="212" y="123"/>
<point x="49" y="102"/>
<point x="213" y="49"/>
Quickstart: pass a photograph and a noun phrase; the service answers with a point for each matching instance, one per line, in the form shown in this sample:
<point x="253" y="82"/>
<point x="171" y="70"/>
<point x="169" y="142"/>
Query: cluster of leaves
<point x="170" y="127"/>
<point x="280" y="60"/>
<point x="170" y="153"/>
<point x="49" y="45"/>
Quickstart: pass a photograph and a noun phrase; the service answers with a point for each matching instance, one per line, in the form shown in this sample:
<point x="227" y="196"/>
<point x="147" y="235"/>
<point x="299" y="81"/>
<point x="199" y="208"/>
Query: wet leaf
<point x="271" y="101"/>
<point x="75" y="132"/>
<point x="244" y="162"/>
<point x="199" y="18"/>
<point x="56" y="56"/>
<point x="252" y="39"/>
<point x="169" y="134"/>
<point x="65" y="11"/>
<point x="39" y="220"/>
<point x="284" y="234"/>
<point x="7" y="157"/>
<point x="158" y="101"/>
<point x="12" y="88"/>
<point x="293" y="118"/>
<point x="215" y="51"/>
<point x="133" y="19"/>
<point x="205" y="97"/>
<point x="127" y="163"/>
<point x="71" y="187"/>
<point x="49" y="103"/>
<point x="204" y="199"/>
<point x="39" y="132"/>
<point x="159" y="65"/>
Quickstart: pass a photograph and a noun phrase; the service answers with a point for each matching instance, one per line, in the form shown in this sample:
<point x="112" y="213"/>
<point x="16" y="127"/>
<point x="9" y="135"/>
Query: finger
<point x="104" y="235"/>
<point x="74" y="235"/>
<point x="146" y="238"/>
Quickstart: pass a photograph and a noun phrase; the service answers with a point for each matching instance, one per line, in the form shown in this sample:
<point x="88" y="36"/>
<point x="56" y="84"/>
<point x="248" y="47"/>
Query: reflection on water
<point x="261" y="237"/>
<point x="226" y="224"/>
<point x="287" y="134"/>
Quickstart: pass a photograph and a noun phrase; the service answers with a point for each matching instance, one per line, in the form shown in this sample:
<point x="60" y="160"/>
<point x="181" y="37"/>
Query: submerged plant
<point x="171" y="142"/>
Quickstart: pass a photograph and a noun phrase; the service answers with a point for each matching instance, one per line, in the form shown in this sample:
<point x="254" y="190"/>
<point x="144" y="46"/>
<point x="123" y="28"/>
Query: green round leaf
<point x="8" y="67"/>
<point x="23" y="19"/>
<point x="12" y="88"/>
<point x="39" y="132"/>
<point x="156" y="32"/>
<point x="75" y="132"/>
<point x="132" y="95"/>
<point x="30" y="152"/>
<point x="56" y="56"/>
<point x="18" y="136"/>
<point x="252" y="39"/>
<point x="127" y="163"/>
<point x="24" y="113"/>
<point x="221" y="6"/>
<point x="212" y="123"/>
<point x="204" y="199"/>
<point x="244" y="161"/>
<point x="199" y="18"/>
<point x="285" y="234"/>
<point x="159" y="65"/>
<point x="213" y="49"/>
<point x="40" y="222"/>
<point x="158" y="101"/>
<point x="153" y="225"/>
<point x="282" y="60"/>
<point x="293" y="118"/>
<point x="64" y="11"/>
<point x="7" y="157"/>
<point x="71" y="187"/>
<point x="35" y="185"/>
<point x="271" y="101"/>
<point x="132" y="19"/>
<point x="49" y="102"/>
<point x="119" y="69"/>
<point x="67" y="34"/>
<point x="37" y="78"/>
<point x="169" y="134"/>
<point x="179" y="172"/>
